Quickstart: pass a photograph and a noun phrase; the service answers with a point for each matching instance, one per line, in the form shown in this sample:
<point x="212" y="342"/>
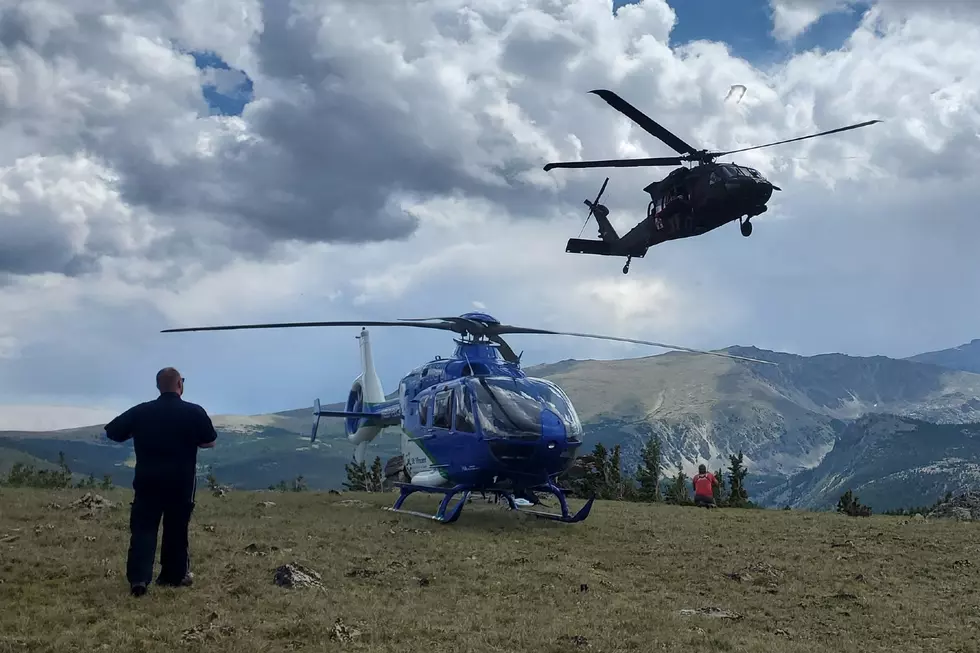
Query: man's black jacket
<point x="166" y="432"/>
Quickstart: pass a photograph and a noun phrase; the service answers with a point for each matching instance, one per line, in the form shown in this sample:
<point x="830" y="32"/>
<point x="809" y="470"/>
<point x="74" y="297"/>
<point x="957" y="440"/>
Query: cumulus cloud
<point x="388" y="164"/>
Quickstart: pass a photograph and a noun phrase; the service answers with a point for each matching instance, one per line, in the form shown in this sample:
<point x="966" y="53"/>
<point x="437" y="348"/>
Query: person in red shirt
<point x="704" y="484"/>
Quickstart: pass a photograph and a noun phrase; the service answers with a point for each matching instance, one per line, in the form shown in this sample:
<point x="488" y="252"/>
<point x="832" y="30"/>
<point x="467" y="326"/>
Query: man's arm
<point x="206" y="435"/>
<point x="121" y="427"/>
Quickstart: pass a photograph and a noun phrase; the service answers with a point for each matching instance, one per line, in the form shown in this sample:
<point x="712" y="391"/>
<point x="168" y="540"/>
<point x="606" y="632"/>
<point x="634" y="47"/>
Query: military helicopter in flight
<point x="688" y="201"/>
<point x="473" y="422"/>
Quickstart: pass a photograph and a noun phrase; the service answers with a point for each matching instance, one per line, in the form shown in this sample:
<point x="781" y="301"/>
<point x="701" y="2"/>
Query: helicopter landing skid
<point x="440" y="516"/>
<point x="444" y="515"/>
<point x="565" y="516"/>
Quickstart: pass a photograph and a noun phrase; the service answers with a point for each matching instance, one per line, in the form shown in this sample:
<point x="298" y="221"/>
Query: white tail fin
<point x="373" y="392"/>
<point x="366" y="395"/>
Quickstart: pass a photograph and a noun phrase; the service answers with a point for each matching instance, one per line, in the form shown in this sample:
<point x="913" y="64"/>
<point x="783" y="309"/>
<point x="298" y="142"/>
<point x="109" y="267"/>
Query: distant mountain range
<point x="897" y="432"/>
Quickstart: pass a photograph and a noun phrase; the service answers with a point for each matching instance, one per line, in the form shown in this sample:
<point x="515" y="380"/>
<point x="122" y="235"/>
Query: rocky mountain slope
<point x="794" y="423"/>
<point x="784" y="418"/>
<point x="965" y="358"/>
<point x="888" y="462"/>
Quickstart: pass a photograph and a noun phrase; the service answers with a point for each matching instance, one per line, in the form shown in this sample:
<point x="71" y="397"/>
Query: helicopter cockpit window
<point x="442" y="416"/>
<point x="556" y="401"/>
<point x="424" y="404"/>
<point x="512" y="407"/>
<point x="464" y="411"/>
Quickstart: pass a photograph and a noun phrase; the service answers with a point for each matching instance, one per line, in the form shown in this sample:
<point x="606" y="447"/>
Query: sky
<point x="204" y="162"/>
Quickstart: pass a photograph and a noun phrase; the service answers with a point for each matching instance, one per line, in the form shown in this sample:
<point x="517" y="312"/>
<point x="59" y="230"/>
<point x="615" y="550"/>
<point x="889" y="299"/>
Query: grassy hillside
<point x="494" y="581"/>
<point x="255" y="451"/>
<point x="11" y="457"/>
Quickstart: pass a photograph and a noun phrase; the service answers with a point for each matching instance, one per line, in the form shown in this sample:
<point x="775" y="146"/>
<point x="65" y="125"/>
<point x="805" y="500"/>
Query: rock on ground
<point x="296" y="575"/>
<point x="964" y="507"/>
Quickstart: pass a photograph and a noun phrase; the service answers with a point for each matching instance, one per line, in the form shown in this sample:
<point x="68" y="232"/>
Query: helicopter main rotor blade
<point x="458" y="324"/>
<point x="504" y="348"/>
<point x="799" y="138"/>
<point x="286" y="325"/>
<point x="618" y="163"/>
<point x="644" y="121"/>
<point x="512" y="329"/>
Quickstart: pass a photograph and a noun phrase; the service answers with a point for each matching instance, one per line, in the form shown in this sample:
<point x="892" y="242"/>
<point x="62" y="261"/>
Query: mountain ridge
<point x="787" y="420"/>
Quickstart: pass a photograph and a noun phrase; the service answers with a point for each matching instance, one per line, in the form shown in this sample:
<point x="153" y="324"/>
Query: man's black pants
<point x="704" y="502"/>
<point x="151" y="504"/>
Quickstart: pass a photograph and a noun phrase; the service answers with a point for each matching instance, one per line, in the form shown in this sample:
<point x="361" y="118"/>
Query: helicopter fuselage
<point x="474" y="419"/>
<point x="699" y="200"/>
<point x="687" y="202"/>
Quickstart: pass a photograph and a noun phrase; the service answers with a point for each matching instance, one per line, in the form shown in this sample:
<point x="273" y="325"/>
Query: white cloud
<point x="390" y="166"/>
<point x="50" y="418"/>
<point x="791" y="18"/>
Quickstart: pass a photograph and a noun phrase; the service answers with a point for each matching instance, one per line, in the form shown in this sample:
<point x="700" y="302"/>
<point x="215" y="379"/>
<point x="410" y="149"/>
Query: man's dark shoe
<point x="138" y="589"/>
<point x="186" y="581"/>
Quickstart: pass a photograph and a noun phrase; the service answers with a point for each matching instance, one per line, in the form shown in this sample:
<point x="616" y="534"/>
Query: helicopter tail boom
<point x="601" y="248"/>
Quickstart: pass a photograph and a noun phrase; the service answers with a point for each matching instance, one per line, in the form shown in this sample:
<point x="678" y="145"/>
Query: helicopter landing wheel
<point x="746" y="228"/>
<point x="626" y="268"/>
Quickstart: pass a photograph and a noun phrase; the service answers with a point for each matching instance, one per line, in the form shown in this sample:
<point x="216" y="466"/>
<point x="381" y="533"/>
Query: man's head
<point x="170" y="380"/>
<point x="702" y="469"/>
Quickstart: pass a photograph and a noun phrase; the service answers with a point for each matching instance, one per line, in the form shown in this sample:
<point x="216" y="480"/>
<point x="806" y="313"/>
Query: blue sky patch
<point x="226" y="89"/>
<point x="746" y="26"/>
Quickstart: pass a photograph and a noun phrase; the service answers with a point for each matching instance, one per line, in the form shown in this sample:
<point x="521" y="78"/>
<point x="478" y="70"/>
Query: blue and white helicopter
<point x="474" y="422"/>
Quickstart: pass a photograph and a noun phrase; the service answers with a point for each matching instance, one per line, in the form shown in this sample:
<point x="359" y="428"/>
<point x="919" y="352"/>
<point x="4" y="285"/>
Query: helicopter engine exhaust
<point x="366" y="413"/>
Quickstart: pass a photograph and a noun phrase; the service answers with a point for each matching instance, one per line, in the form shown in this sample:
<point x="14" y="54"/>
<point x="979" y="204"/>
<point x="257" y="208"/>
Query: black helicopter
<point x="688" y="201"/>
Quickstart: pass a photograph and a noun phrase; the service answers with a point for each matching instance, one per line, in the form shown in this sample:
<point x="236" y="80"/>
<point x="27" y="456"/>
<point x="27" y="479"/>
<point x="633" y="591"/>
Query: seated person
<point x="704" y="484"/>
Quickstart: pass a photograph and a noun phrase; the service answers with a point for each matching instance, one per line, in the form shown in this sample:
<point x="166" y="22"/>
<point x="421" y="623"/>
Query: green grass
<point x="494" y="581"/>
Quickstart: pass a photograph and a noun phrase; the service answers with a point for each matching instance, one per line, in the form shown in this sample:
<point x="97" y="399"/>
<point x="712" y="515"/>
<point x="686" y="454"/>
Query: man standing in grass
<point x="704" y="484"/>
<point x="167" y="433"/>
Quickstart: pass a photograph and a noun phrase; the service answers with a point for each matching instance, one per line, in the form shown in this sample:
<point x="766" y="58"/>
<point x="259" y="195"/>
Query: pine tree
<point x="615" y="475"/>
<point x="848" y="504"/>
<point x="678" y="492"/>
<point x="376" y="477"/>
<point x="357" y="475"/>
<point x="106" y="482"/>
<point x="649" y="471"/>
<point x="596" y="482"/>
<point x="719" y="490"/>
<point x="63" y="475"/>
<point x="737" y="496"/>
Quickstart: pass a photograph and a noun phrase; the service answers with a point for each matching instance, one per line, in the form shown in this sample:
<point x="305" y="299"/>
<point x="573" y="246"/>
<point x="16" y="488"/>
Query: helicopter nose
<point x="552" y="428"/>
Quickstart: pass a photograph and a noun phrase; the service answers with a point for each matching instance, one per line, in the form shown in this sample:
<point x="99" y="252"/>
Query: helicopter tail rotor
<point x="606" y="231"/>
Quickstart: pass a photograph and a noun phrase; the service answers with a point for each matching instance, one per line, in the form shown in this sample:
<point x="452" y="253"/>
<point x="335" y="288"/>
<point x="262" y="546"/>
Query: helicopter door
<point x="464" y="411"/>
<point x="442" y="411"/>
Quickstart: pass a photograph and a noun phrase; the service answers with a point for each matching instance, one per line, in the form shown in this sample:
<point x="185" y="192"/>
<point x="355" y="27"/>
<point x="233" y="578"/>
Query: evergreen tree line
<point x="22" y="475"/>
<point x="298" y="484"/>
<point x="362" y="479"/>
<point x="601" y="474"/>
